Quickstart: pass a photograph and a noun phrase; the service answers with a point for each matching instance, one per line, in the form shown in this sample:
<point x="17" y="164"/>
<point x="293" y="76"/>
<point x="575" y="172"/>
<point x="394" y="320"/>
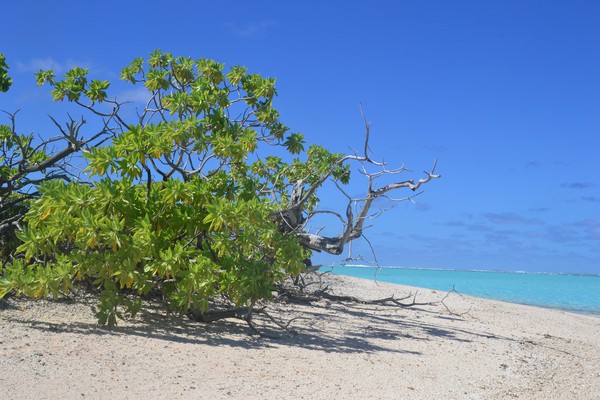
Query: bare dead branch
<point x="366" y="155"/>
<point x="355" y="226"/>
<point x="290" y="217"/>
<point x="442" y="302"/>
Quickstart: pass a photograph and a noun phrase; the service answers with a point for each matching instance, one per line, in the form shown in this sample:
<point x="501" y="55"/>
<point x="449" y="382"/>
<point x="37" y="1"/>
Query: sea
<point x="568" y="292"/>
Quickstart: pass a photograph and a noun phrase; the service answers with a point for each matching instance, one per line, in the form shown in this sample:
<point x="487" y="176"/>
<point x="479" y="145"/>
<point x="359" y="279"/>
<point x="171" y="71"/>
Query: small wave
<point x="573" y="292"/>
<point x="499" y="271"/>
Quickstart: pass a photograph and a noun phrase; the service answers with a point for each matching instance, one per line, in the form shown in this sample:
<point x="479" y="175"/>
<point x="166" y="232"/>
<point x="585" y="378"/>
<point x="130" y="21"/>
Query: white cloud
<point x="36" y="64"/>
<point x="577" y="185"/>
<point x="511" y="218"/>
<point x="135" y="95"/>
<point x="251" y="29"/>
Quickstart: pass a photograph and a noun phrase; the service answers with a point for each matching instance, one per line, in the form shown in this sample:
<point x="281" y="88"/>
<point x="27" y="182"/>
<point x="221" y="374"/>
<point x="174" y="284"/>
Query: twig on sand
<point x="448" y="308"/>
<point x="295" y="292"/>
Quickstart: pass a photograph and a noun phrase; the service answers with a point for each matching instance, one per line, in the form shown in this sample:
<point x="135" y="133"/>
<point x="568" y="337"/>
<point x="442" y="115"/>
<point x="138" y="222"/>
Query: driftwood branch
<point x="299" y="296"/>
<point x="292" y="218"/>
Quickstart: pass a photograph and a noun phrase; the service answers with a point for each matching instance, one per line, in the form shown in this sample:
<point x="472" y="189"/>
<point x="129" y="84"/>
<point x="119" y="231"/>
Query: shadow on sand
<point x="332" y="327"/>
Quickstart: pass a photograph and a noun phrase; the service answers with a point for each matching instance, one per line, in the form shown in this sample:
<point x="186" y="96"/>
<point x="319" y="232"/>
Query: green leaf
<point x="129" y="72"/>
<point x="236" y="74"/>
<point x="158" y="59"/>
<point x="5" y="80"/>
<point x="97" y="90"/>
<point x="295" y="143"/>
<point x="43" y="77"/>
<point x="157" y="80"/>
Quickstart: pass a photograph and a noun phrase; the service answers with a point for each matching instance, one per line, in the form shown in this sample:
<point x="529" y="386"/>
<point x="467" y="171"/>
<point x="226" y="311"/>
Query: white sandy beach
<point x="55" y="350"/>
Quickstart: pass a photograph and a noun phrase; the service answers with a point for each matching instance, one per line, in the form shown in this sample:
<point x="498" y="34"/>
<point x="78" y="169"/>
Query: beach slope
<point x="496" y="350"/>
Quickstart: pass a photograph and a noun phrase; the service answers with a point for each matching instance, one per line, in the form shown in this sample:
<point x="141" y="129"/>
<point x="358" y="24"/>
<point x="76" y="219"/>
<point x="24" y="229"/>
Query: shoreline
<point x="473" y="285"/>
<point x="497" y="350"/>
<point x="593" y="314"/>
<point x="498" y="271"/>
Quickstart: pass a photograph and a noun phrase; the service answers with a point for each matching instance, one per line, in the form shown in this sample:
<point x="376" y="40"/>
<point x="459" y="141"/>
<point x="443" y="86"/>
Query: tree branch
<point x="354" y="229"/>
<point x="291" y="217"/>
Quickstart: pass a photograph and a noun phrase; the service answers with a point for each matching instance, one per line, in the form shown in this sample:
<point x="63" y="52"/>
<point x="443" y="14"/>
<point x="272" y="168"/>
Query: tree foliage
<point x="27" y="160"/>
<point x="5" y="80"/>
<point x="205" y="193"/>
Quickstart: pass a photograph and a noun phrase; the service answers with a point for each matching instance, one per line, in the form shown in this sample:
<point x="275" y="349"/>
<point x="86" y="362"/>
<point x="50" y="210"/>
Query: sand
<point x="55" y="350"/>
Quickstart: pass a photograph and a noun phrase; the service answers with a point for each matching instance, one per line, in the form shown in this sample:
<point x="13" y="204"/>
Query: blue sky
<point x="505" y="94"/>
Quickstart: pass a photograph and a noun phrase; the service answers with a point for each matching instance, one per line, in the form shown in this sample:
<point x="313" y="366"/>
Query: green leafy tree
<point x="5" y="80"/>
<point x="206" y="194"/>
<point x="27" y="160"/>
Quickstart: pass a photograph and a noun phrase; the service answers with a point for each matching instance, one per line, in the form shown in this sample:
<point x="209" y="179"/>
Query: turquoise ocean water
<point x="578" y="293"/>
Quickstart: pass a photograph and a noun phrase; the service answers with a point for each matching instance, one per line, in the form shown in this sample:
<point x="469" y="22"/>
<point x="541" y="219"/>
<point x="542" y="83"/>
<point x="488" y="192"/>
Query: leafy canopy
<point x="183" y="201"/>
<point x="5" y="80"/>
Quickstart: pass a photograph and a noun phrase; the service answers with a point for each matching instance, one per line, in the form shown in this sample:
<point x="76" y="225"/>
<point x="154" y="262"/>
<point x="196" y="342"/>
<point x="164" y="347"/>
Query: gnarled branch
<point x="292" y="220"/>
